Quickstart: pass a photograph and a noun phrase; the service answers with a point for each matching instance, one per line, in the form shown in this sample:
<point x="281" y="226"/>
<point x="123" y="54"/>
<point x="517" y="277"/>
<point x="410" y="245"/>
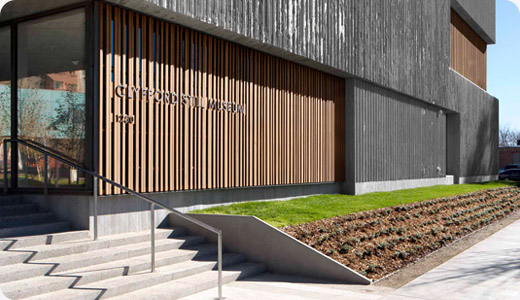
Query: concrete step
<point x="85" y="245"/>
<point x="31" y="230"/>
<point x="35" y="268"/>
<point x="58" y="281"/>
<point x="190" y="273"/>
<point x="44" y="239"/>
<point x="18" y="209"/>
<point x="10" y="200"/>
<point x="26" y="219"/>
<point x="187" y="286"/>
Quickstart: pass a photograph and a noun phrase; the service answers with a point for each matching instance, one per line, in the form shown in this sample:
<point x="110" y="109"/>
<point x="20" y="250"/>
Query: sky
<point x="504" y="64"/>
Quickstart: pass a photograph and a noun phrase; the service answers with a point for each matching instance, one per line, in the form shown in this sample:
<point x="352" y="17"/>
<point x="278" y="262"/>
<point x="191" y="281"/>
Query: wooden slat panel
<point x="468" y="51"/>
<point x="116" y="155"/>
<point x="123" y="160"/>
<point x="131" y="102"/>
<point x="137" y="126"/>
<point x="109" y="87"/>
<point x="290" y="132"/>
<point x="102" y="134"/>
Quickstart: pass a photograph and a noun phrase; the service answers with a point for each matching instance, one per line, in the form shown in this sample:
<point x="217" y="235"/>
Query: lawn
<point x="309" y="209"/>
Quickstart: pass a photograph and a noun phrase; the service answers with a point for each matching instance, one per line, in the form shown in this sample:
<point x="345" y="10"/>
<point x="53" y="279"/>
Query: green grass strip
<point x="309" y="209"/>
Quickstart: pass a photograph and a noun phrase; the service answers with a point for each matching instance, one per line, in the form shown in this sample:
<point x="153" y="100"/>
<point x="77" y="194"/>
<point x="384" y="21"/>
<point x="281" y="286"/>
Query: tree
<point x="508" y="137"/>
<point x="32" y="124"/>
<point x="69" y="124"/>
<point x="5" y="121"/>
<point x="5" y="110"/>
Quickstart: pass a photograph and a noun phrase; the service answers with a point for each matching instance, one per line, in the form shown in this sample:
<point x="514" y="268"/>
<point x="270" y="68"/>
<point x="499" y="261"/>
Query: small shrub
<point x="400" y="254"/>
<point x="382" y="245"/>
<point x="371" y="268"/>
<point x="323" y="229"/>
<point x="434" y="231"/>
<point x="345" y="249"/>
<point x="323" y="238"/>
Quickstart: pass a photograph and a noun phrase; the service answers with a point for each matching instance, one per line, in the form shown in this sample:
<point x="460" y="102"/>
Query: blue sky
<point x="504" y="64"/>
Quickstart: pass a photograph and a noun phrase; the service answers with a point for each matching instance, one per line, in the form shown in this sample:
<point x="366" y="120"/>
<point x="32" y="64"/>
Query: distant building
<point x="509" y="155"/>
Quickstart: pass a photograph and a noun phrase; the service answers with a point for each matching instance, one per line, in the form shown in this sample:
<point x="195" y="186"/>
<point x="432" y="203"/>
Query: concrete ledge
<point x="70" y="208"/>
<point x="126" y="213"/>
<point x="478" y="179"/>
<point x="387" y="186"/>
<point x="480" y="16"/>
<point x="263" y="243"/>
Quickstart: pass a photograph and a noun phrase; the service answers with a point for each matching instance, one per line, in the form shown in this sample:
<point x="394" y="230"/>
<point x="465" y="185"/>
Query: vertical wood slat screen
<point x="468" y="51"/>
<point x="291" y="130"/>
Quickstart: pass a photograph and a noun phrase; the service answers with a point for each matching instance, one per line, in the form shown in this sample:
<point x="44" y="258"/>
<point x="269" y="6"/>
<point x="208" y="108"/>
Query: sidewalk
<point x="488" y="270"/>
<point x="281" y="287"/>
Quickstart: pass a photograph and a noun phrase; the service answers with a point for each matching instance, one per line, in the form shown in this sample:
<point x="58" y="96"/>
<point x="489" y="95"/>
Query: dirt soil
<point x="380" y="242"/>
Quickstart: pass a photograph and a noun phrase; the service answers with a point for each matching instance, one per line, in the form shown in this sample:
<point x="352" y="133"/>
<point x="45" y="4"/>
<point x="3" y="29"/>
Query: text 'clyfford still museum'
<point x="205" y="102"/>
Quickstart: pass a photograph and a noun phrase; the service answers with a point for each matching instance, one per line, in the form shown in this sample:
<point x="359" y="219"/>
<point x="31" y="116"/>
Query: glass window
<point x="5" y="95"/>
<point x="51" y="97"/>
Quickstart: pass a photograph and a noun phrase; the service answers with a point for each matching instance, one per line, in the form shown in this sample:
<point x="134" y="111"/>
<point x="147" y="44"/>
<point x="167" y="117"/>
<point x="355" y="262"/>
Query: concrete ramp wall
<point x="263" y="243"/>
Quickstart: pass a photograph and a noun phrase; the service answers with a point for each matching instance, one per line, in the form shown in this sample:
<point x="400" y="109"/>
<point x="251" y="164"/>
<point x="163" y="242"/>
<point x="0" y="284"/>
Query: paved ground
<point x="278" y="287"/>
<point x="489" y="270"/>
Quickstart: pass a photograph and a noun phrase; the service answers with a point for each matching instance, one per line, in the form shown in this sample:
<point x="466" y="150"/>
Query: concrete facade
<point x="392" y="137"/>
<point x="477" y="128"/>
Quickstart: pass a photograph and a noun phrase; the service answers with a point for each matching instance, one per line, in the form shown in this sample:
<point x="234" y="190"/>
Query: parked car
<point x="512" y="166"/>
<point x="511" y="174"/>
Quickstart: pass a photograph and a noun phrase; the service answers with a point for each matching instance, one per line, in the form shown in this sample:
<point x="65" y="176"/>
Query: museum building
<point x="200" y="103"/>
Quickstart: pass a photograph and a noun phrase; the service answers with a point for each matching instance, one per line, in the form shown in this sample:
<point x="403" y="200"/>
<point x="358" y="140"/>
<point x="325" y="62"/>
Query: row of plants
<point x="377" y="243"/>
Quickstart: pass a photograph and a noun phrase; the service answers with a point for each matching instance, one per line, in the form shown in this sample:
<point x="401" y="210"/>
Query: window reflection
<point x="51" y="97"/>
<point x="5" y="95"/>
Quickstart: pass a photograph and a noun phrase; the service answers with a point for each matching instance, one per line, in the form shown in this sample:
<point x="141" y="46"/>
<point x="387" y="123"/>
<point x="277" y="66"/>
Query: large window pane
<point x="51" y="96"/>
<point x="5" y="95"/>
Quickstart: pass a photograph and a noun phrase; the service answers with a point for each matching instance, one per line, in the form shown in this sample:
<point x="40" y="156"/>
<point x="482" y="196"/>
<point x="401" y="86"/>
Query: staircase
<point x="19" y="219"/>
<point x="42" y="258"/>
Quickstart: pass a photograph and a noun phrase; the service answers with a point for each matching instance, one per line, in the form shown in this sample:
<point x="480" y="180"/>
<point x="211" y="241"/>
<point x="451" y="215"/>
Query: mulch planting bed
<point x="379" y="242"/>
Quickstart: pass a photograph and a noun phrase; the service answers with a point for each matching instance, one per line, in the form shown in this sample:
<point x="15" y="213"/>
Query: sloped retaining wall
<point x="263" y="243"/>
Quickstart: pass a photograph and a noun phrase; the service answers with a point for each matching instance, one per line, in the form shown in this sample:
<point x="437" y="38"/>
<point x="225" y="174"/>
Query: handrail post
<point x="95" y="208"/>
<point x="219" y="262"/>
<point x="152" y="237"/>
<point x="6" y="181"/>
<point x="45" y="173"/>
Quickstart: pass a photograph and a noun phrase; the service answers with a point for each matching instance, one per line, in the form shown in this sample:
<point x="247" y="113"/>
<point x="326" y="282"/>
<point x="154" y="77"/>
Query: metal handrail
<point x="152" y="202"/>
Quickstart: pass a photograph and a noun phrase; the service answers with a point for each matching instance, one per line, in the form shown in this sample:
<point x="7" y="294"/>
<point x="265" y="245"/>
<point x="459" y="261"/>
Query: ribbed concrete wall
<point x="478" y="128"/>
<point x="480" y="15"/>
<point x="403" y="45"/>
<point x="394" y="137"/>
